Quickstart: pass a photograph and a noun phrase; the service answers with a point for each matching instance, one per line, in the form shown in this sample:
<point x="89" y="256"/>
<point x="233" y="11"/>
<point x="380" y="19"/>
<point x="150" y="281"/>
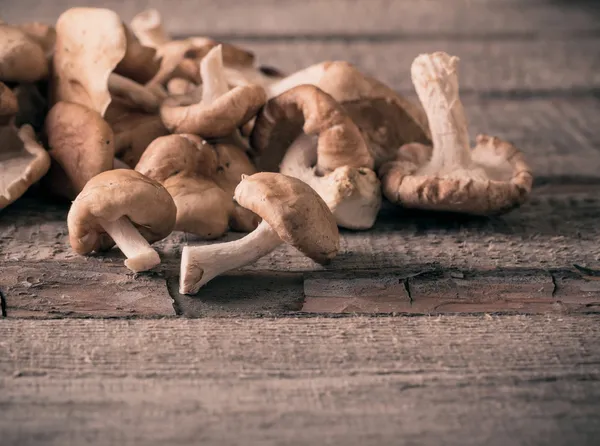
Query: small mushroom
<point x="220" y="112"/>
<point x="124" y="207"/>
<point x="493" y="178"/>
<point x="292" y="213"/>
<point x="81" y="145"/>
<point x="385" y="119"/>
<point x="185" y="165"/>
<point x="22" y="59"/>
<point x="336" y="162"/>
<point x="23" y="161"/>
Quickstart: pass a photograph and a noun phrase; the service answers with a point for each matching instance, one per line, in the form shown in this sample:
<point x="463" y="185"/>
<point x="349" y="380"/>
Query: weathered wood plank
<point x="493" y="68"/>
<point x="553" y="232"/>
<point x="529" y="18"/>
<point x="433" y="291"/>
<point x="353" y="381"/>
<point x="59" y="289"/>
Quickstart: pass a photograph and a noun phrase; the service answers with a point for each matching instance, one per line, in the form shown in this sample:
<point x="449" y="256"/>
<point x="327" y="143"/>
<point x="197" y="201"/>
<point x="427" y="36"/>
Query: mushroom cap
<point x="22" y="59"/>
<point x="185" y="165"/>
<point x="308" y="109"/>
<point x="140" y="63"/>
<point x="218" y="119"/>
<point x="115" y="194"/>
<point x="293" y="210"/>
<point x="86" y="55"/>
<point x="42" y="33"/>
<point x="233" y="56"/>
<point x="23" y="161"/>
<point x="509" y="184"/>
<point x="147" y="27"/>
<point x="81" y="145"/>
<point x="33" y="106"/>
<point x="9" y="105"/>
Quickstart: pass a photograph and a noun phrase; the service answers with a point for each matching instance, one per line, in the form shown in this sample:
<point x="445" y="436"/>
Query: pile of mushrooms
<point x="145" y="135"/>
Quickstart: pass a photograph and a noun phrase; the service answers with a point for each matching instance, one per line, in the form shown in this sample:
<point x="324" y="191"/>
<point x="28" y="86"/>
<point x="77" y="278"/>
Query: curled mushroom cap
<point x="126" y="207"/>
<point x="493" y="178"/>
<point x="148" y="28"/>
<point x="328" y="152"/>
<point x="221" y="111"/>
<point x="23" y="162"/>
<point x="22" y="59"/>
<point x="385" y="119"/>
<point x="292" y="213"/>
<point x="185" y="166"/>
<point x="81" y="145"/>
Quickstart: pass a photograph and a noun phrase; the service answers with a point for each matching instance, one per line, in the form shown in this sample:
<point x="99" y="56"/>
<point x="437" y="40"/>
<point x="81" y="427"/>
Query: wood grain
<point x="354" y="381"/>
<point x="476" y="18"/>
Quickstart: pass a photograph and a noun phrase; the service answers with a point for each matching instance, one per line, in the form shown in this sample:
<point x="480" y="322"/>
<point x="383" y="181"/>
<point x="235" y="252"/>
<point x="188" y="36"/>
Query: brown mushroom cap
<point x="140" y="63"/>
<point x="81" y="145"/>
<point x="308" y="109"/>
<point x="90" y="43"/>
<point x="185" y="165"/>
<point x="23" y="162"/>
<point x="43" y="34"/>
<point x="509" y="185"/>
<point x="115" y="194"/>
<point x="293" y="210"/>
<point x="218" y="119"/>
<point x="22" y="59"/>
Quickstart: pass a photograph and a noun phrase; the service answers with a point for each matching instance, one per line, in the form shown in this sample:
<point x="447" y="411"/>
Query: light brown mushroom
<point x="42" y="33"/>
<point x="23" y="161"/>
<point x="292" y="213"/>
<point x="386" y="119"/>
<point x="81" y="145"/>
<point x="493" y="178"/>
<point x="322" y="147"/>
<point x="188" y="167"/>
<point x="148" y="28"/>
<point x="86" y="57"/>
<point x="221" y="111"/>
<point x="22" y="59"/>
<point x="124" y="207"/>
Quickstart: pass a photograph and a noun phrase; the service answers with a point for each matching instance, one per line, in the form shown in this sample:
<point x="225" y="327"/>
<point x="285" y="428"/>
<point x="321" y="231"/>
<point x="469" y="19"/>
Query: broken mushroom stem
<point x="436" y="81"/>
<point x="200" y="264"/>
<point x="140" y="255"/>
<point x="146" y="98"/>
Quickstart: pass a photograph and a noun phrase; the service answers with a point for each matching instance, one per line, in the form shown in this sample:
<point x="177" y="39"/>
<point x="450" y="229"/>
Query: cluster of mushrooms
<point x="146" y="135"/>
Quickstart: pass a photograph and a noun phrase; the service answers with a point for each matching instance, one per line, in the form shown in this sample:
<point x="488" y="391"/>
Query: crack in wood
<point x="2" y="304"/>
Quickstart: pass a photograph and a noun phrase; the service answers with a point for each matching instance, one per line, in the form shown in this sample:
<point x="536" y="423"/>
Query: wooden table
<point x="505" y="348"/>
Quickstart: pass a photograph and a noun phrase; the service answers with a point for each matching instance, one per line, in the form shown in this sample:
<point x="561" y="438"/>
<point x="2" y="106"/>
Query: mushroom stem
<point x="352" y="194"/>
<point x="436" y="82"/>
<point x="200" y="264"/>
<point x="214" y="81"/>
<point x="139" y="253"/>
<point x="145" y="97"/>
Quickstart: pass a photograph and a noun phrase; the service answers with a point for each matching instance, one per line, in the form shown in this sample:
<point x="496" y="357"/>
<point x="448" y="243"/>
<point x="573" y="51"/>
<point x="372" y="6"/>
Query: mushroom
<point x="85" y="58"/>
<point x="140" y="63"/>
<point x="23" y="161"/>
<point x="22" y="59"/>
<point x="292" y="213"/>
<point x="385" y="119"/>
<point x="33" y="106"/>
<point x="81" y="145"/>
<point x="336" y="163"/>
<point x="220" y="112"/>
<point x="185" y="165"/>
<point x="493" y="178"/>
<point x="43" y="34"/>
<point x="148" y="28"/>
<point x="124" y="207"/>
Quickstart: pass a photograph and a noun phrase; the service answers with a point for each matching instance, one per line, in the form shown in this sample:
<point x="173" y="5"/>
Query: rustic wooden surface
<point x="411" y="381"/>
<point x="261" y="365"/>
